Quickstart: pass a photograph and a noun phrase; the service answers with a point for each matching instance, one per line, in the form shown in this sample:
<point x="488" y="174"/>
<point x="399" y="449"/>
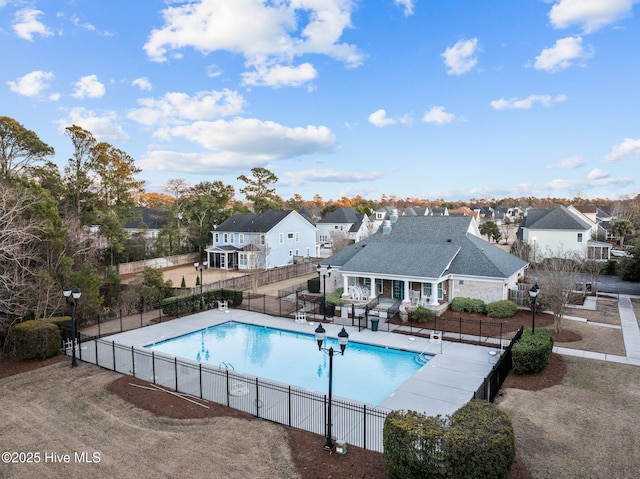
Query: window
<point x="297" y="237"/>
<point x="367" y="283"/>
<point x="263" y="239"/>
<point x="242" y="259"/>
<point x="461" y="282"/>
<point x="241" y="238"/>
<point x="440" y="291"/>
<point x="308" y="252"/>
<point x="297" y="252"/>
<point x="379" y="216"/>
<point x="426" y="290"/>
<point x="216" y="238"/>
<point x="290" y="236"/>
<point x="281" y="238"/>
<point x="579" y="237"/>
<point x="225" y="238"/>
<point x="290" y="253"/>
<point x="232" y="238"/>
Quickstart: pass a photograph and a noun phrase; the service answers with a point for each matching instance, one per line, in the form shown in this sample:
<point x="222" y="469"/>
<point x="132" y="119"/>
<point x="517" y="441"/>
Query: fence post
<point x="228" y="392"/>
<point x="200" y="376"/>
<point x="96" y="343"/>
<point x="257" y="398"/>
<point x="113" y="349"/>
<point x="153" y="366"/>
<point x="364" y="426"/>
<point x="289" y="404"/>
<point x="175" y="370"/>
<point x="120" y="319"/>
<point x="133" y="362"/>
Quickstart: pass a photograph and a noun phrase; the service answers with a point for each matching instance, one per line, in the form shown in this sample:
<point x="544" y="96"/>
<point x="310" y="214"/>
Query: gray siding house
<point x="425" y="260"/>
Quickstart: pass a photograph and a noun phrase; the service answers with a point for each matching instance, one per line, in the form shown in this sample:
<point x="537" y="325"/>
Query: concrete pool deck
<point x="444" y="384"/>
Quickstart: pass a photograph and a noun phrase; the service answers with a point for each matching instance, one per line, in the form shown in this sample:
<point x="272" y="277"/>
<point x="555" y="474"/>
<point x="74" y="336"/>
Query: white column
<point x="373" y="293"/>
<point x="406" y="298"/>
<point x="345" y="286"/>
<point x="433" y="300"/>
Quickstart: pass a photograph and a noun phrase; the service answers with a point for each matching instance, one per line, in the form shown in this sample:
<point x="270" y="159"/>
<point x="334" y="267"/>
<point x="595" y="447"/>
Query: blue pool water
<point x="365" y="373"/>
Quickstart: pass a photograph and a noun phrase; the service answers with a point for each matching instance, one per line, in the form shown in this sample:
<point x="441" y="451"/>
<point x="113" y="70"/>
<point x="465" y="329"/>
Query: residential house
<point x="427" y="260"/>
<point x="560" y="231"/>
<point x="147" y="225"/>
<point x="382" y="214"/>
<point x="261" y="241"/>
<point x="343" y="224"/>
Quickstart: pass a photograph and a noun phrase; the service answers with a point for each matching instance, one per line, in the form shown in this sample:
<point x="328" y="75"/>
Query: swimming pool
<point x="365" y="373"/>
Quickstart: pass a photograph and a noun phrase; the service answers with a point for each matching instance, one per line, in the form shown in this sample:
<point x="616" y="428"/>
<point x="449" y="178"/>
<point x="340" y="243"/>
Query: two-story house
<point x="343" y="224"/>
<point x="261" y="241"/>
<point x="560" y="231"/>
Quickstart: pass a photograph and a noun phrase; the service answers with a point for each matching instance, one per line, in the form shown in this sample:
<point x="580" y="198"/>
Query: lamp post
<point x="533" y="293"/>
<point x="324" y="272"/>
<point x="343" y="339"/>
<point x="72" y="298"/>
<point x="198" y="267"/>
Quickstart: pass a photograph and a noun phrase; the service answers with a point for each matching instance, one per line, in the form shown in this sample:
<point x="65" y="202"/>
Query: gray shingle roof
<point x="558" y="218"/>
<point x="343" y="215"/>
<point x="254" y="223"/>
<point x="423" y="247"/>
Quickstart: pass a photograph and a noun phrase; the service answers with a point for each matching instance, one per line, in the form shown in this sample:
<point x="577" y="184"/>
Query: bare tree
<point x="339" y="241"/>
<point x="20" y="234"/>
<point x="557" y="276"/>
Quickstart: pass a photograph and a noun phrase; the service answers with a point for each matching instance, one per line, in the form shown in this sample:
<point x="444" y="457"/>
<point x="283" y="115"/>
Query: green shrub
<point x="502" y="309"/>
<point x="313" y="285"/>
<point x="63" y="323"/>
<point x="532" y="353"/>
<point x="477" y="441"/>
<point x="335" y="298"/>
<point x="422" y="315"/>
<point x="469" y="305"/>
<point x="37" y="339"/>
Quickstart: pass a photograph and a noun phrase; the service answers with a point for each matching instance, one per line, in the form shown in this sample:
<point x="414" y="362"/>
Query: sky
<point x="453" y="100"/>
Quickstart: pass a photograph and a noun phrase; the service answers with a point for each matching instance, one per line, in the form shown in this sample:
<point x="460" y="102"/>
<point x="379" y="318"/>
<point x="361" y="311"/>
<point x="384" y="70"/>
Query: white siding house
<point x="261" y="241"/>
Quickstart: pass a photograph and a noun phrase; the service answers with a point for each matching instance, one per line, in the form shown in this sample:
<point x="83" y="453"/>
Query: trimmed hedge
<point x="468" y="305"/>
<point x="502" y="309"/>
<point x="37" y="339"/>
<point x="190" y="303"/>
<point x="477" y="441"/>
<point x="422" y="315"/>
<point x="532" y="353"/>
<point x="313" y="285"/>
<point x="63" y="323"/>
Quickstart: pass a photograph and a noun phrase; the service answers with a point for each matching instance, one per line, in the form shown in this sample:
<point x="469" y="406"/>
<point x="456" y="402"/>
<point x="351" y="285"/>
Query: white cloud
<point x="597" y="174"/>
<point x="264" y="33"/>
<point x="568" y="163"/>
<point x="563" y="54"/>
<point x="279" y="75"/>
<point x="175" y="107"/>
<point x="264" y="140"/>
<point x="407" y="5"/>
<point x="629" y="148"/>
<point x="379" y="118"/>
<point x="103" y="126"/>
<point x="526" y="103"/>
<point x="591" y="15"/>
<point x="89" y="87"/>
<point x="303" y="177"/>
<point x="461" y="57"/>
<point x="143" y="83"/>
<point x="198" y="163"/>
<point x="32" y="84"/>
<point x="437" y="115"/>
<point x="26" y="24"/>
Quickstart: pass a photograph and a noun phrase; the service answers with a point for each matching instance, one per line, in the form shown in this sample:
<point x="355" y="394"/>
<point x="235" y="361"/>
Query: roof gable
<point x="558" y="218"/>
<point x="254" y="223"/>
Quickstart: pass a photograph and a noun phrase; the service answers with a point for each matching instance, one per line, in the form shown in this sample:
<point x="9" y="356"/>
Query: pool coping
<point x="444" y="384"/>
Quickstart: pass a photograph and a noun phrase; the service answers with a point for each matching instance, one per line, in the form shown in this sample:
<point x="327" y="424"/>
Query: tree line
<point x="66" y="226"/>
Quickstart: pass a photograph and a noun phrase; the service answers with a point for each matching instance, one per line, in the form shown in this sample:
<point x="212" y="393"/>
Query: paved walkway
<point x="630" y="332"/>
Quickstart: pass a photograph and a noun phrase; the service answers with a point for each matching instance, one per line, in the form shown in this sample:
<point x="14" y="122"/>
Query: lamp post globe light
<point x="343" y="339"/>
<point x="533" y="294"/>
<point x="324" y="272"/>
<point x="201" y="267"/>
<point x="72" y="298"/>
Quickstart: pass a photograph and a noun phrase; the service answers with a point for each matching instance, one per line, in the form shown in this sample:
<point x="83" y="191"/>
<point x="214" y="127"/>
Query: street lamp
<point x="324" y="272"/>
<point x="72" y="298"/>
<point x="343" y="339"/>
<point x="533" y="293"/>
<point x="198" y="267"/>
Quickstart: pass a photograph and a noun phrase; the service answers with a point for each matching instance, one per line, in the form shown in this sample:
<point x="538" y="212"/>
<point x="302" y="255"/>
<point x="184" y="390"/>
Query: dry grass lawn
<point x="58" y="410"/>
<point x="586" y="427"/>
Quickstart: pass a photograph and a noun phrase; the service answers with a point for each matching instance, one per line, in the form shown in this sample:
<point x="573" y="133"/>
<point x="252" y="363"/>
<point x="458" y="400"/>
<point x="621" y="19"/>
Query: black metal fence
<point x="354" y="423"/>
<point x="499" y="372"/>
